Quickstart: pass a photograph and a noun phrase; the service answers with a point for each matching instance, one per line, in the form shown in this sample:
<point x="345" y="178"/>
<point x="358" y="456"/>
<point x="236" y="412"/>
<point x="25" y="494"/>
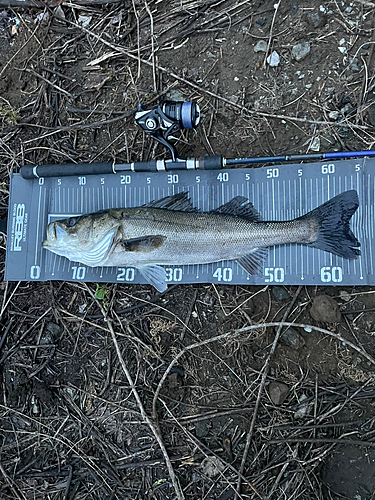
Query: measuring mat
<point x="278" y="193"/>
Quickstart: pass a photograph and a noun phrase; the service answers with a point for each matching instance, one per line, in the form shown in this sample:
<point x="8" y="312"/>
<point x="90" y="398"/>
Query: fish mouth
<point x="55" y="234"/>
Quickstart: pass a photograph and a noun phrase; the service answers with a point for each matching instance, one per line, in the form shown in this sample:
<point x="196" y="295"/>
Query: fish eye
<point x="72" y="221"/>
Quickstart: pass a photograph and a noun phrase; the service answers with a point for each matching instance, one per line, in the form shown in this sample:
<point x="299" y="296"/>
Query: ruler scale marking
<point x="70" y="197"/>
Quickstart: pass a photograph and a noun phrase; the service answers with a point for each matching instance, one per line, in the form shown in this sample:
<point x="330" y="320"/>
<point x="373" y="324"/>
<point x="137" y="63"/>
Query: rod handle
<point x="30" y="172"/>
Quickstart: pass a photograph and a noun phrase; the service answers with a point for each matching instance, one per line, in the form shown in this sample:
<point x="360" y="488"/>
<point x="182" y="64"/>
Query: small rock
<point x="279" y="293"/>
<point x="261" y="46"/>
<point x="317" y="19"/>
<point x="315" y="144"/>
<point x="278" y="392"/>
<point x="54" y="330"/>
<point x="212" y="466"/>
<point x="334" y="115"/>
<point x="261" y="22"/>
<point x="345" y="100"/>
<point x="300" y="51"/>
<point x="202" y="428"/>
<point x="84" y="20"/>
<point x="292" y="339"/>
<point x="175" y="95"/>
<point x="345" y="133"/>
<point x="342" y="50"/>
<point x="347" y="109"/>
<point x="327" y="141"/>
<point x="344" y="295"/>
<point x="303" y="409"/>
<point x="325" y="309"/>
<point x="353" y="64"/>
<point x="273" y="59"/>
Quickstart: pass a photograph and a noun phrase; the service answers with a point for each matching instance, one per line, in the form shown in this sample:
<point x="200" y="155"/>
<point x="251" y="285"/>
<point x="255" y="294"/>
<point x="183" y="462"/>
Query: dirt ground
<point x="184" y="394"/>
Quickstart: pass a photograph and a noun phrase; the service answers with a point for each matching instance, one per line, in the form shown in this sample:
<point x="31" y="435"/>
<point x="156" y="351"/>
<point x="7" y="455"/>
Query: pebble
<point x="317" y="19"/>
<point x="261" y="46"/>
<point x="300" y="51"/>
<point x="334" y="115"/>
<point x="278" y="392"/>
<point x="315" y="144"/>
<point x="261" y="22"/>
<point x="303" y="409"/>
<point x="273" y="59"/>
<point x="279" y="293"/>
<point x="347" y="109"/>
<point x="343" y="50"/>
<point x="202" y="428"/>
<point x="344" y="295"/>
<point x="353" y="64"/>
<point x="212" y="466"/>
<point x="327" y="141"/>
<point x="175" y="95"/>
<point x="325" y="309"/>
<point x="54" y="329"/>
<point x="292" y="339"/>
<point x="345" y="133"/>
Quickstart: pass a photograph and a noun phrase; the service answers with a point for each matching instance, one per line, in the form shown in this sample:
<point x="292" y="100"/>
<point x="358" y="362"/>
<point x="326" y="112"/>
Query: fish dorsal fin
<point x="179" y="201"/>
<point x="239" y="206"/>
<point x="253" y="262"/>
<point x="143" y="244"/>
<point x="155" y="276"/>
<point x="98" y="254"/>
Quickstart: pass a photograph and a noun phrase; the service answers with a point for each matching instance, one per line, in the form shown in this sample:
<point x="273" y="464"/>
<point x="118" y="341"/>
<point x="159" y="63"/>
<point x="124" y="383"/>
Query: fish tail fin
<point x="333" y="218"/>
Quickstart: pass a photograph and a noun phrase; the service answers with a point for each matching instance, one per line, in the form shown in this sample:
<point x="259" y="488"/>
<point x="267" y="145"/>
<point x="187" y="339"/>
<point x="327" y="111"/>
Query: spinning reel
<point x="166" y="119"/>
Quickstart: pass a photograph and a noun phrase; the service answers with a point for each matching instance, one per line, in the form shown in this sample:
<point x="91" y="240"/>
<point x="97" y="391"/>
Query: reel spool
<point x="166" y="119"/>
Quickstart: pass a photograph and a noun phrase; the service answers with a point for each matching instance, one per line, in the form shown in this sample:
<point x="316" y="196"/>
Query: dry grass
<point x="89" y="408"/>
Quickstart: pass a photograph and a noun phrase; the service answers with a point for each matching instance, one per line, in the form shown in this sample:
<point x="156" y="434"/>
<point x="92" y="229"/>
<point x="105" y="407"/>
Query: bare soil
<point x="70" y="424"/>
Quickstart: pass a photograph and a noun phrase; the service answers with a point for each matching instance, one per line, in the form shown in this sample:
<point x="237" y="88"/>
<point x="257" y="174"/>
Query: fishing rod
<point x="167" y="118"/>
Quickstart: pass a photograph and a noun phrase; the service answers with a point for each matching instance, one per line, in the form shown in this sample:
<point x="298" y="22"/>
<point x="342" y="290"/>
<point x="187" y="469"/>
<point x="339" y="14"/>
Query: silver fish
<point x="171" y="231"/>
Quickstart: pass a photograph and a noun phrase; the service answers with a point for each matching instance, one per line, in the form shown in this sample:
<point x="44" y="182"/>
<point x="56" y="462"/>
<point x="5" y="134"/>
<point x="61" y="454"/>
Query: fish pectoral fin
<point x="155" y="276"/>
<point x="240" y="207"/>
<point x="144" y="244"/>
<point x="253" y="262"/>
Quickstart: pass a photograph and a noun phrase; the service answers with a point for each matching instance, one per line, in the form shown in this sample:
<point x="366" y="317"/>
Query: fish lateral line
<point x="234" y="231"/>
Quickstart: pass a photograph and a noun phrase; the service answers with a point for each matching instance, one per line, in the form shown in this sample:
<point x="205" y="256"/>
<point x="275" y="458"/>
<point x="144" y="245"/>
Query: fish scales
<point x="171" y="231"/>
<point x="201" y="238"/>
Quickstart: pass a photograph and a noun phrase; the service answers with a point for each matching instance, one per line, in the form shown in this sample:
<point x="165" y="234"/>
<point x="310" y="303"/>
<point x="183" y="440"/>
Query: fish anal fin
<point x="179" y="201"/>
<point x="144" y="244"/>
<point x="240" y="207"/>
<point x="155" y="276"/>
<point x="253" y="262"/>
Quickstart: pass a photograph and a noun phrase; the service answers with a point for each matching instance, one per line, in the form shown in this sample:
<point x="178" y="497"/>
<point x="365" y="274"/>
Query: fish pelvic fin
<point x="155" y="276"/>
<point x="333" y="218"/>
<point x="253" y="262"/>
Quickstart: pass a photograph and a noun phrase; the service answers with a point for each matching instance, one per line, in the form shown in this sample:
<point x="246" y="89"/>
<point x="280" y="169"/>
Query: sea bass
<point x="171" y="231"/>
